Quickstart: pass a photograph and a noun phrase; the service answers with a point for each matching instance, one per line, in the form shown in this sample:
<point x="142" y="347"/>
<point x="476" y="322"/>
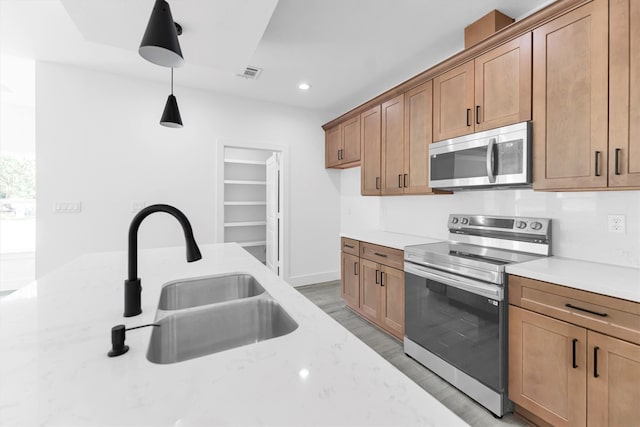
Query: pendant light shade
<point x="160" y="42"/>
<point x="171" y="115"/>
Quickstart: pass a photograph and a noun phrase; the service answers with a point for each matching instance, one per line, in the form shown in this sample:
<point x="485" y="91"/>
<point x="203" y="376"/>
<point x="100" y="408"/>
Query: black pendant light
<point x="160" y="41"/>
<point x="171" y="115"/>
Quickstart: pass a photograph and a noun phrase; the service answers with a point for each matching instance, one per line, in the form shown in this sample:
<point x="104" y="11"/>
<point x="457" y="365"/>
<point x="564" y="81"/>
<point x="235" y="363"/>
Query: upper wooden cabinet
<point x="491" y="91"/>
<point x="393" y="145"/>
<point x="624" y="93"/>
<point x="570" y="65"/>
<point x="453" y="102"/>
<point x="370" y="181"/>
<point x="418" y="134"/>
<point x="342" y="144"/>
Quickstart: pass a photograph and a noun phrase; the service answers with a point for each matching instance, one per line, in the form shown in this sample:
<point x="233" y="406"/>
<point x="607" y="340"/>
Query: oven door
<point x="486" y="159"/>
<point x="458" y="319"/>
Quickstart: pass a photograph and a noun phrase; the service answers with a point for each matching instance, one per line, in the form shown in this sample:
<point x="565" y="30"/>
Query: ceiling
<point x="348" y="50"/>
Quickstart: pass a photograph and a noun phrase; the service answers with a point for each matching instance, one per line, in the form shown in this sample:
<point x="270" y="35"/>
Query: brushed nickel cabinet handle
<point x="477" y="114"/>
<point x="468" y="116"/>
<point x="598" y="163"/>
<point x="377" y="182"/>
<point x="617" y="161"/>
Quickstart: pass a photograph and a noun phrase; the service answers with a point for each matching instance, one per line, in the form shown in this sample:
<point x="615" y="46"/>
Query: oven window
<point x="460" y="327"/>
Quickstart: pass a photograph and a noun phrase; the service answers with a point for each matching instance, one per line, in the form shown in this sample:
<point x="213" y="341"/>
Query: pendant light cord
<point x="171" y="80"/>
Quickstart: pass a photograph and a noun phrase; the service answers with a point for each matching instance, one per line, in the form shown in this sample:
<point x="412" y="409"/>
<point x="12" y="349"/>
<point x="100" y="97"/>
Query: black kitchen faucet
<point x="132" y="286"/>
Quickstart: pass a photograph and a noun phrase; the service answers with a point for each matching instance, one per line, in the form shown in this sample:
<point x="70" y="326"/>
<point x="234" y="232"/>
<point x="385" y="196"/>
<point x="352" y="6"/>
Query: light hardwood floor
<point x="327" y="297"/>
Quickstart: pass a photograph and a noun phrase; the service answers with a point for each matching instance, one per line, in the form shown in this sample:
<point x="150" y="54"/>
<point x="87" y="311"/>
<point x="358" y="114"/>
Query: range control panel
<point x="508" y="224"/>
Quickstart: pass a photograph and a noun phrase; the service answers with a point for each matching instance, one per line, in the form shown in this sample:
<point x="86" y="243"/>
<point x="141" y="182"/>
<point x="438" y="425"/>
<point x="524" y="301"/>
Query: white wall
<point x="579" y="218"/>
<point x="98" y="141"/>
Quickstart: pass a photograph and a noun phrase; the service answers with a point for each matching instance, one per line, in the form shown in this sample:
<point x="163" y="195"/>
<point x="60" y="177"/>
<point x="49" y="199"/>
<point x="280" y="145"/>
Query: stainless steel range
<point x="455" y="304"/>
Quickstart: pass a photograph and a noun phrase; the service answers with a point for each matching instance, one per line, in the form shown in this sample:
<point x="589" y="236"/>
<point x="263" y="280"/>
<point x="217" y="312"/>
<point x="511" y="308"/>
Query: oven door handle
<point x="475" y="287"/>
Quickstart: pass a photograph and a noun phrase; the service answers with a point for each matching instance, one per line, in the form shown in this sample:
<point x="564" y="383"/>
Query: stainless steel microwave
<point x="491" y="159"/>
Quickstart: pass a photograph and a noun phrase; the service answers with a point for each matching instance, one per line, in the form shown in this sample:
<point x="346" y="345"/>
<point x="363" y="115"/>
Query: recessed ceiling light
<point x="304" y="86"/>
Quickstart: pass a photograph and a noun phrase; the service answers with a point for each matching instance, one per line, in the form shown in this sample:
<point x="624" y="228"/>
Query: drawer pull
<point x="379" y="254"/>
<point x="377" y="279"/>
<point x="575" y="341"/>
<point x="595" y="362"/>
<point x="349" y="246"/>
<point x="468" y="116"/>
<point x="597" y="166"/>
<point x="382" y="278"/>
<point x="617" y="161"/>
<point x="585" y="310"/>
<point x="355" y="268"/>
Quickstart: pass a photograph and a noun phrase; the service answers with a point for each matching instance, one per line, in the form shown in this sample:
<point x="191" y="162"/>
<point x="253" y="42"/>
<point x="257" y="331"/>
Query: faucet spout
<point x="133" y="286"/>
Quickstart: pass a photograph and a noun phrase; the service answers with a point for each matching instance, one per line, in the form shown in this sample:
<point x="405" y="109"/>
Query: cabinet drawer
<point x="350" y="246"/>
<point x="611" y="316"/>
<point x="382" y="254"/>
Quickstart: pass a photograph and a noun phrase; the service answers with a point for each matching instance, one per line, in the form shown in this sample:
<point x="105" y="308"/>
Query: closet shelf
<point x="256" y="243"/>
<point x="243" y="182"/>
<point x="245" y="162"/>
<point x="246" y="203"/>
<point x="245" y="224"/>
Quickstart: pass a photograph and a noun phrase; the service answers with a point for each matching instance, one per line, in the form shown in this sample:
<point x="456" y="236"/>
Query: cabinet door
<point x="350" y="285"/>
<point x="614" y="394"/>
<point x="570" y="83"/>
<point x="453" y="103"/>
<point x="333" y="145"/>
<point x="392" y="300"/>
<point x="369" y="289"/>
<point x="393" y="145"/>
<point x="350" y="140"/>
<point x="624" y="94"/>
<point x="543" y="378"/>
<point x="371" y="150"/>
<point x="418" y="134"/>
<point x="503" y="85"/>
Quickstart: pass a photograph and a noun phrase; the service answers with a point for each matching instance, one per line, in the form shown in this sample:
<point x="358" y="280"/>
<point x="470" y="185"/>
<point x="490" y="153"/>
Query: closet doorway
<point x="252" y="203"/>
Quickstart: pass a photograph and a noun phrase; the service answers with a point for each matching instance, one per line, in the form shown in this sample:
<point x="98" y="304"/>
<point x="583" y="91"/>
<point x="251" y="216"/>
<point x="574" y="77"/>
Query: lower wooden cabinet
<point x="350" y="279"/>
<point x="375" y="291"/>
<point x="563" y="372"/>
<point x="613" y="386"/>
<point x="542" y="376"/>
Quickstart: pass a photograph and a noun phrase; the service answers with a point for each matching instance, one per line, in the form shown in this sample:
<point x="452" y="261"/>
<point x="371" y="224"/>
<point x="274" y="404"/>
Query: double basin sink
<point x="207" y="315"/>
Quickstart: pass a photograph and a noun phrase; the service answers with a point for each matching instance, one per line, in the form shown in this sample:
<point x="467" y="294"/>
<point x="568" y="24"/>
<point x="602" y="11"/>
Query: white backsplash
<point x="579" y="218"/>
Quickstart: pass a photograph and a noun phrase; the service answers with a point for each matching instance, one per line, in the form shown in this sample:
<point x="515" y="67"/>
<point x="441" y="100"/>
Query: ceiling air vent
<point x="251" y="73"/>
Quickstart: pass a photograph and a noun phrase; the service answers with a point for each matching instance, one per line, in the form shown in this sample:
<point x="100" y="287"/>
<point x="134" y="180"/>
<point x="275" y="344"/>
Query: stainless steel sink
<point x="208" y="290"/>
<point x="189" y="334"/>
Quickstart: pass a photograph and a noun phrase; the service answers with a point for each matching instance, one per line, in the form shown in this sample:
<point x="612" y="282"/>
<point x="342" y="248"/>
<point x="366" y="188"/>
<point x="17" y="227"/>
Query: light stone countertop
<point x="386" y="238"/>
<point x="55" y="333"/>
<point x="605" y="279"/>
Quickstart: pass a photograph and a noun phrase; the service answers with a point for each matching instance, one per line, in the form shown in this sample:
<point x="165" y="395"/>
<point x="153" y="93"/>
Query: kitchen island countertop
<point x="54" y="369"/>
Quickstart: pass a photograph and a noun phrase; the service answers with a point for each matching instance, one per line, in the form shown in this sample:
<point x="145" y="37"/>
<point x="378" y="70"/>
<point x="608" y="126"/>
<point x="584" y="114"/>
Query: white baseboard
<point x="309" y="279"/>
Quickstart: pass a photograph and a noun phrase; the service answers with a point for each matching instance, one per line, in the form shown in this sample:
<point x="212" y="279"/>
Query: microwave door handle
<point x="490" y="161"/>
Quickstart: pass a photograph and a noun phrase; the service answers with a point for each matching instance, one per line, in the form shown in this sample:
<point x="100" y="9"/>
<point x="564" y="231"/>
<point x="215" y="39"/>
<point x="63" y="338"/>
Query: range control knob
<point x="521" y="224"/>
<point x="465" y="220"/>
<point x="454" y="220"/>
<point x="536" y="225"/>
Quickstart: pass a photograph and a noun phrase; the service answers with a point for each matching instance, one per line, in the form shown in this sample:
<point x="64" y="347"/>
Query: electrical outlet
<point x="67" y="207"/>
<point x="616" y="224"/>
